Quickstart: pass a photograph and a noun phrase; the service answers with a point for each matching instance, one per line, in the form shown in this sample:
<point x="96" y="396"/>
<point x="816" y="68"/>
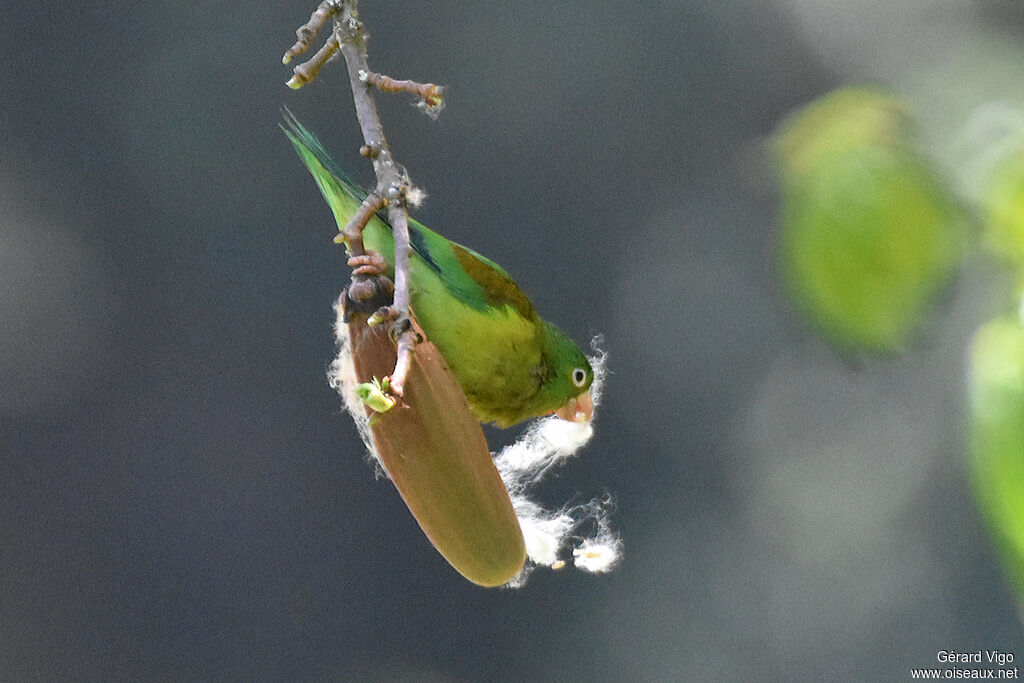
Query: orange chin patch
<point x="578" y="409"/>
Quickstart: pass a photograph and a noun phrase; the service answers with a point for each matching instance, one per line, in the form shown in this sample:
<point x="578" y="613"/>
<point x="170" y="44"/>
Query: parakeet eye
<point x="579" y="377"/>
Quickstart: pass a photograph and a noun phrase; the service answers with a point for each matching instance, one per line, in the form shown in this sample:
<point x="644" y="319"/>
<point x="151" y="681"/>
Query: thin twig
<point x="307" y="71"/>
<point x="307" y="32"/>
<point x="352" y="234"/>
<point x="430" y="93"/>
<point x="392" y="185"/>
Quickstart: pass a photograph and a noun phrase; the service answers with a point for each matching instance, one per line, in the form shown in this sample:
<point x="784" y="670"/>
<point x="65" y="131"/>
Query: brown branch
<point x="430" y="93"/>
<point x="391" y="182"/>
<point x="307" y="32"/>
<point x="307" y="71"/>
<point x="352" y="234"/>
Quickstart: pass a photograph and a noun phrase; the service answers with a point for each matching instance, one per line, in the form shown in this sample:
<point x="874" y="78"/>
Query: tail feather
<point x="343" y="196"/>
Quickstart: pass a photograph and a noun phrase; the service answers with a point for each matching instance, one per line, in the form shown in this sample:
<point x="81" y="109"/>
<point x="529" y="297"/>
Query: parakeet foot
<point x="368" y="295"/>
<point x="371" y="263"/>
<point x="370" y="289"/>
<point x="384" y="314"/>
<point x="399" y="324"/>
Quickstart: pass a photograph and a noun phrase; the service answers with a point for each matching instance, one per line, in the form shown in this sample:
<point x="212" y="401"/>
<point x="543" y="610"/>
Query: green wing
<point x="473" y="278"/>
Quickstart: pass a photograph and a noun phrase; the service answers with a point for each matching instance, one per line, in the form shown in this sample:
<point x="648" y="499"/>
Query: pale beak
<point x="579" y="409"/>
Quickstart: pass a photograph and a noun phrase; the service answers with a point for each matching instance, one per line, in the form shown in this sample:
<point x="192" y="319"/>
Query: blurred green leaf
<point x="1004" y="210"/>
<point x="869" y="234"/>
<point x="997" y="436"/>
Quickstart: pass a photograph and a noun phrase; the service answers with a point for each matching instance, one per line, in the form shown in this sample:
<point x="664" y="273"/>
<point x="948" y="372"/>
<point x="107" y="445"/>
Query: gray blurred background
<point x="181" y="496"/>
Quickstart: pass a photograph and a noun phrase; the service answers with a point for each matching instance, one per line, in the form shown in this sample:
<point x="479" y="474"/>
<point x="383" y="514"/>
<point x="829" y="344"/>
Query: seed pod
<point x="434" y="451"/>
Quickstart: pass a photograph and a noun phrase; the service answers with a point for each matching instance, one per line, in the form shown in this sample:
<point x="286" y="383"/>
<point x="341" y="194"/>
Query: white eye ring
<point x="579" y="377"/>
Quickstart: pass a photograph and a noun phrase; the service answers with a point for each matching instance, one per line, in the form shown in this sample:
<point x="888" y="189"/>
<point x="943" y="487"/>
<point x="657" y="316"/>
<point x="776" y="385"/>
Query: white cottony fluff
<point x="546" y="443"/>
<point x="341" y="375"/>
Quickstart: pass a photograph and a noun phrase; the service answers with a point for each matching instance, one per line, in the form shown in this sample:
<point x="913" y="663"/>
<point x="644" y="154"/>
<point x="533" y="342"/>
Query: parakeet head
<point x="568" y="383"/>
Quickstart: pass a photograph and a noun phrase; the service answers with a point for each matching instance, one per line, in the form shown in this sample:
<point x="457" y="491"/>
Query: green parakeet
<point x="511" y="364"/>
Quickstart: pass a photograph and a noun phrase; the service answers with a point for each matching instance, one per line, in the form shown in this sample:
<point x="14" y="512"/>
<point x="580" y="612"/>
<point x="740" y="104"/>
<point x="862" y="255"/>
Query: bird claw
<point x="381" y="315"/>
<point x="370" y="264"/>
<point x="399" y="325"/>
<point x="368" y="295"/>
<point x="394" y="392"/>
